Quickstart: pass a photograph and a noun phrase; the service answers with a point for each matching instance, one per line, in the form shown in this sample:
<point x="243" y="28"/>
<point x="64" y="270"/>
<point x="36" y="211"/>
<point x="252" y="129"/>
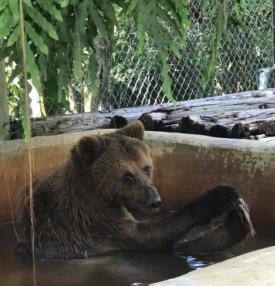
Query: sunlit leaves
<point x="62" y="83"/>
<point x="32" y="68"/>
<point x="108" y="9"/>
<point x="160" y="21"/>
<point x="99" y="21"/>
<point x="77" y="69"/>
<point x="54" y="25"/>
<point x="28" y="2"/>
<point x="6" y="23"/>
<point x="60" y="36"/>
<point x="41" y="21"/>
<point x="49" y="7"/>
<point x="13" y="5"/>
<point x="221" y="16"/>
<point x="36" y="38"/>
<point x="35" y="24"/>
<point x="14" y="36"/>
<point x="62" y="3"/>
<point x="3" y="4"/>
<point x="93" y="65"/>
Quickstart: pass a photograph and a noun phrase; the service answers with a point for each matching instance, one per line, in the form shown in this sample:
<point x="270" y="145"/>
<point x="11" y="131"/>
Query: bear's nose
<point x="155" y="203"/>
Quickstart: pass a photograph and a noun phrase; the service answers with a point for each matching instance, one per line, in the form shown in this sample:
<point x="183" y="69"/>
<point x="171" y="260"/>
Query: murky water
<point x="119" y="269"/>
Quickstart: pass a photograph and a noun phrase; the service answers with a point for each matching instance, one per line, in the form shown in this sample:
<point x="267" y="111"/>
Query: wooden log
<point x="194" y="124"/>
<point x="239" y="115"/>
<point x="118" y="122"/>
<point x="148" y="121"/>
<point x="254" y="127"/>
<point x="152" y="121"/>
<point x="54" y="125"/>
<point x="205" y="126"/>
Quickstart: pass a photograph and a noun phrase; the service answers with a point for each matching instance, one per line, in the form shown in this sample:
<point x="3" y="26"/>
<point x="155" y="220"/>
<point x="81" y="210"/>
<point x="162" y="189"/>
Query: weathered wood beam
<point x="239" y="115"/>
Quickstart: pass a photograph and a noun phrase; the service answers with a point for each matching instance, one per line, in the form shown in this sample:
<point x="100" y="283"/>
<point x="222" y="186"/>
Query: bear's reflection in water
<point x="117" y="269"/>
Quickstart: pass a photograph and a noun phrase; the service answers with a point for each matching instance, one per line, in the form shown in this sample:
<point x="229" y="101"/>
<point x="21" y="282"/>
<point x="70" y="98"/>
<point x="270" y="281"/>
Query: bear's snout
<point x="154" y="200"/>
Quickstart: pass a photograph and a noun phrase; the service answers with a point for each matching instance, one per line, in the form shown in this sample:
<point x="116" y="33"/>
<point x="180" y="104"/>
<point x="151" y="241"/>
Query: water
<point x="264" y="75"/>
<point x="120" y="269"/>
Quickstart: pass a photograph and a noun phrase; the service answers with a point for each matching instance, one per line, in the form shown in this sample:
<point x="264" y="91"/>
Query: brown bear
<point x="93" y="203"/>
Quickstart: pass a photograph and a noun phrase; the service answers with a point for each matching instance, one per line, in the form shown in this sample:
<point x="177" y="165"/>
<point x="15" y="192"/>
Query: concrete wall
<point x="185" y="166"/>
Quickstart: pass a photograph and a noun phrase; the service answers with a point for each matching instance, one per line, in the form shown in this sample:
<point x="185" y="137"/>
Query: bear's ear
<point x="88" y="149"/>
<point x="135" y="130"/>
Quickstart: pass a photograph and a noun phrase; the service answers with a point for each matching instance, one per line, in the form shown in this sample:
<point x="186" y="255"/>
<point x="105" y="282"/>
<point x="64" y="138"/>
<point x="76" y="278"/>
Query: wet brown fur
<point x="88" y="206"/>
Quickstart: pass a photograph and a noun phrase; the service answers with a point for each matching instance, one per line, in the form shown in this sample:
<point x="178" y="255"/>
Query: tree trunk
<point x="4" y="111"/>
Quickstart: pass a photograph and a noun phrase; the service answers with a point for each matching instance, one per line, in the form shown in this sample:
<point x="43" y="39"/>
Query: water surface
<point x="117" y="269"/>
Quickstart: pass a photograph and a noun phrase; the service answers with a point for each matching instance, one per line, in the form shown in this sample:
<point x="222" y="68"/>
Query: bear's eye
<point x="129" y="178"/>
<point x="147" y="170"/>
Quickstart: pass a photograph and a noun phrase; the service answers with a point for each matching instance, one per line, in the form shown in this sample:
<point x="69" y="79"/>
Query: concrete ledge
<point x="185" y="166"/>
<point x="255" y="268"/>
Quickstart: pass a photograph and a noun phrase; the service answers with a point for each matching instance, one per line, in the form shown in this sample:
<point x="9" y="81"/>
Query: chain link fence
<point x="134" y="79"/>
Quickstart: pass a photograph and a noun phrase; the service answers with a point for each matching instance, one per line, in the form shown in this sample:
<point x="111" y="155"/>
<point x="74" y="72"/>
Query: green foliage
<point x="249" y="46"/>
<point x="152" y="20"/>
<point x="60" y="39"/>
<point x="221" y="12"/>
<point x="244" y="49"/>
<point x="37" y="28"/>
<point x="82" y="21"/>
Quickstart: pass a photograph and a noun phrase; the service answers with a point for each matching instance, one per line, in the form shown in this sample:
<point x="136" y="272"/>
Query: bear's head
<point x="120" y="167"/>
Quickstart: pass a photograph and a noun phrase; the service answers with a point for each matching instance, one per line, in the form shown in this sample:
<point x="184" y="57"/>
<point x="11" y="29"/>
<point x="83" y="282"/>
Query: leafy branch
<point x="61" y="39"/>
